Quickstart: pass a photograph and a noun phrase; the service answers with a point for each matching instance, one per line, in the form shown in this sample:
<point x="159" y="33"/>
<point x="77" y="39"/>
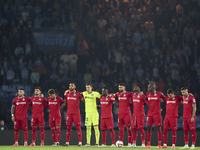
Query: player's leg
<point x="52" y="126"/>
<point x="121" y="124"/>
<point x="192" y="127"/>
<point x="186" y="133"/>
<point x="42" y="132"/>
<point x="103" y="131"/>
<point x="140" y="125"/>
<point x="25" y="129"/>
<point x="165" y="132"/>
<point x="158" y="123"/>
<point x="34" y="130"/>
<point x="69" y="123"/>
<point x="95" y="121"/>
<point x="88" y="124"/>
<point x="149" y="129"/>
<point x="110" y="126"/>
<point x="134" y="129"/>
<point x="16" y="128"/>
<point x="173" y="124"/>
<point x="58" y="125"/>
<point x="77" y="122"/>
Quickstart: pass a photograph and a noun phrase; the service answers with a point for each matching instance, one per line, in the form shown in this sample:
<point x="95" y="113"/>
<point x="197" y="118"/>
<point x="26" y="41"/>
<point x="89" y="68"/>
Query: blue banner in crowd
<point x="55" y="39"/>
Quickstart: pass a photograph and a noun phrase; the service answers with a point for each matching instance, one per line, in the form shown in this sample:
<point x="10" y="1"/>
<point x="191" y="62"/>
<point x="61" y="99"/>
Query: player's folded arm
<point x="64" y="104"/>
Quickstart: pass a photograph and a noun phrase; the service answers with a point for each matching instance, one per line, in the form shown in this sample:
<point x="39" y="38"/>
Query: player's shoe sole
<point x="15" y="144"/>
<point x="147" y="146"/>
<point x="164" y="147"/>
<point x="87" y="145"/>
<point x="32" y="144"/>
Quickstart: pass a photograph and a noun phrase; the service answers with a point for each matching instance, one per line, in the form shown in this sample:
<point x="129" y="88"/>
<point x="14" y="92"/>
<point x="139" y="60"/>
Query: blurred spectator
<point x="35" y="77"/>
<point x="10" y="75"/>
<point x="3" y="126"/>
<point x="73" y="66"/>
<point x="24" y="75"/>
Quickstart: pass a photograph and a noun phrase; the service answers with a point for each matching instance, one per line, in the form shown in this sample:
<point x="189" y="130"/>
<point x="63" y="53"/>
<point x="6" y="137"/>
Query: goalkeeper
<point x="91" y="113"/>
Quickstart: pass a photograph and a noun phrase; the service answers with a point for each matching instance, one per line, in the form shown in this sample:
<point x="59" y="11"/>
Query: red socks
<point x="34" y="129"/>
<point x="142" y="134"/>
<point x="165" y="136"/>
<point x="159" y="137"/>
<point x="16" y="135"/>
<point x="112" y="136"/>
<point x="134" y="135"/>
<point x="58" y="134"/>
<point x="42" y="134"/>
<point x="79" y="132"/>
<point x="186" y="136"/>
<point x="104" y="137"/>
<point x="129" y="136"/>
<point x="121" y="135"/>
<point x="174" y="137"/>
<point x="53" y="135"/>
<point x="26" y="135"/>
<point x="68" y="134"/>
<point x="148" y="137"/>
<point x="194" y="136"/>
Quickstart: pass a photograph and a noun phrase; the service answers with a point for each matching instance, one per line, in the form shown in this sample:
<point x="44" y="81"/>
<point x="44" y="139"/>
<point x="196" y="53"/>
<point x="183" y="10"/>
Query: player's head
<point x="105" y="91"/>
<point x="72" y="86"/>
<point x="21" y="92"/>
<point x="121" y="87"/>
<point x="137" y="89"/>
<point x="89" y="87"/>
<point x="170" y="93"/>
<point x="184" y="91"/>
<point x="52" y="93"/>
<point x="151" y="87"/>
<point x="37" y="91"/>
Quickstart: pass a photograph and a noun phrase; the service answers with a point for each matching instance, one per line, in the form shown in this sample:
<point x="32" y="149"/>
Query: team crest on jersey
<point x="155" y="94"/>
<point x="23" y="99"/>
<point x="124" y="94"/>
<point x="39" y="99"/>
<point x="187" y="98"/>
<point x="55" y="99"/>
<point x="106" y="98"/>
<point x="138" y="96"/>
<point x="74" y="94"/>
<point x="92" y="94"/>
<point x="173" y="98"/>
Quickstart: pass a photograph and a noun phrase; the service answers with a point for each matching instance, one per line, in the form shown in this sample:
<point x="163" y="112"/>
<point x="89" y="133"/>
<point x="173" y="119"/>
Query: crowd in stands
<point x="131" y="41"/>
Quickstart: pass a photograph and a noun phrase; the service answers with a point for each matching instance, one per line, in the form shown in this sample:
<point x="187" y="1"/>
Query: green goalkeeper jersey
<point x="90" y="101"/>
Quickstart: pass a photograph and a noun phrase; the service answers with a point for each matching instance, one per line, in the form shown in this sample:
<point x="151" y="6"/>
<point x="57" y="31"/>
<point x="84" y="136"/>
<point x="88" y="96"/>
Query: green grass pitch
<point x="77" y="148"/>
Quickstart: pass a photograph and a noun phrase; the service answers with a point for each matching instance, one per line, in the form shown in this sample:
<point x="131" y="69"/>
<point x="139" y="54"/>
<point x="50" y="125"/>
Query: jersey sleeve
<point x="98" y="95"/>
<point x="161" y="95"/>
<point x="165" y="99"/>
<point x="61" y="100"/>
<point x="192" y="99"/>
<point x="13" y="102"/>
<point x="80" y="96"/>
<point x="180" y="98"/>
<point x="144" y="98"/>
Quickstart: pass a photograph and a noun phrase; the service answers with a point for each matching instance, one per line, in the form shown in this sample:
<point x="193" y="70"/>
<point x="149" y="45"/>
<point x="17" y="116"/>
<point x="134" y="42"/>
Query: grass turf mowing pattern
<point x="73" y="147"/>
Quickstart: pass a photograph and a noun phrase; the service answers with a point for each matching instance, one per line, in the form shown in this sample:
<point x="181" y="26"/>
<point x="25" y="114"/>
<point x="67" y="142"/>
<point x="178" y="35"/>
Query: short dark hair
<point x="37" y="87"/>
<point x="184" y="88"/>
<point x="122" y="84"/>
<point x="22" y="89"/>
<point x="105" y="88"/>
<point x="72" y="83"/>
<point x="90" y="84"/>
<point x="139" y="85"/>
<point x="170" y="91"/>
<point x="51" y="91"/>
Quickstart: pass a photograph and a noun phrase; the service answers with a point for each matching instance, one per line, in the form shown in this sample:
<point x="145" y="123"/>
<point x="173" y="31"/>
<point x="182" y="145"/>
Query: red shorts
<point x="54" y="122"/>
<point x="107" y="124"/>
<point x="76" y="118"/>
<point x="188" y="125"/>
<point x="155" y="119"/>
<point x="22" y="122"/>
<point x="37" y="121"/>
<point x="170" y="123"/>
<point x="138" y="122"/>
<point x="124" y="119"/>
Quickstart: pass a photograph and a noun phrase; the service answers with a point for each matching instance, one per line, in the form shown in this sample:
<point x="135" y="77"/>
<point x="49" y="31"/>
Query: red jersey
<point x="38" y="104"/>
<point x="106" y="106"/>
<point x="154" y="102"/>
<point x="187" y="106"/>
<point x="124" y="101"/>
<point x="73" y="100"/>
<point x="172" y="106"/>
<point x="138" y="104"/>
<point x="21" y="106"/>
<point x="54" y="106"/>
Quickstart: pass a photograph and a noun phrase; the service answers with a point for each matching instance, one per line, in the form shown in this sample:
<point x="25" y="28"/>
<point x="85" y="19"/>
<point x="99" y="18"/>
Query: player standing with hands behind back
<point x="19" y="115"/>
<point x="54" y="115"/>
<point x="189" y="117"/>
<point x="91" y="113"/>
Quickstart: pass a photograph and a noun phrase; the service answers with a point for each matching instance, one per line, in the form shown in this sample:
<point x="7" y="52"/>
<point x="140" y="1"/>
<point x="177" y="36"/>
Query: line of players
<point x="125" y="101"/>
